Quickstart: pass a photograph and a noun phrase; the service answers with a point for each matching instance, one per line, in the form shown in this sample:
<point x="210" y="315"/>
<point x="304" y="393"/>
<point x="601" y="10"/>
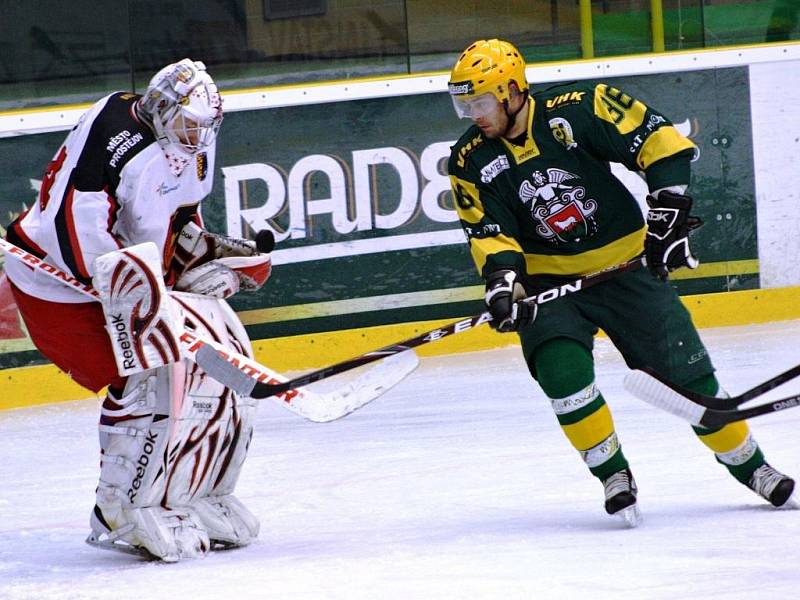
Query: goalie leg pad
<point x="221" y="513"/>
<point x="172" y="450"/>
<point x="227" y="520"/>
<point x="134" y="439"/>
<point x="134" y="432"/>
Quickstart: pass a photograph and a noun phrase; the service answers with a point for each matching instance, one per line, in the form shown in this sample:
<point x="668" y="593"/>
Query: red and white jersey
<point x="108" y="186"/>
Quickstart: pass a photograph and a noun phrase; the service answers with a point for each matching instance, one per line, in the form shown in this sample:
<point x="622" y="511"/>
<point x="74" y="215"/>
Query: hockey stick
<point x="260" y="389"/>
<point x="708" y="411"/>
<point x="316" y="407"/>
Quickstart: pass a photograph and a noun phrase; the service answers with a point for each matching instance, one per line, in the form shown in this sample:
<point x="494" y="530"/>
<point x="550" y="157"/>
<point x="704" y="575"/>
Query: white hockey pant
<point x="172" y="449"/>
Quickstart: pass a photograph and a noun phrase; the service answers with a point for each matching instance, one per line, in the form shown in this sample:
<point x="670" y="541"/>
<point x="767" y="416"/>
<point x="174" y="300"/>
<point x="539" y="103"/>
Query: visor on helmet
<point x="474" y="107"/>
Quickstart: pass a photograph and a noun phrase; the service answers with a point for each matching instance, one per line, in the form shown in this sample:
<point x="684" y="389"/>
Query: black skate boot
<point x="773" y="486"/>
<point x="620" y="490"/>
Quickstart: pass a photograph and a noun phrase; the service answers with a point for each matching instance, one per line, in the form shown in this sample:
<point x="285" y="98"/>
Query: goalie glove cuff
<point x="252" y="271"/>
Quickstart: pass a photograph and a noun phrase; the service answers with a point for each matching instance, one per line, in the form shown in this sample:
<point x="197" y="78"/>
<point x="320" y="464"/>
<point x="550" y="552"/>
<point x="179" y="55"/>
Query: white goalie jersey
<point x="108" y="186"/>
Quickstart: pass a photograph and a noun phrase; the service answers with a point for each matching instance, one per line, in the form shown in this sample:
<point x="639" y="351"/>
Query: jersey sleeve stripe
<point x="662" y="143"/>
<point x="17" y="236"/>
<point x="483" y="248"/>
<point x="113" y="207"/>
<point x="68" y="238"/>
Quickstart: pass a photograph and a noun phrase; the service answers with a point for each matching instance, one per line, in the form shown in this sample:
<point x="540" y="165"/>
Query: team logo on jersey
<point x="561" y="210"/>
<point x="494" y="168"/>
<point x="202" y="166"/>
<point x="568" y="98"/>
<point x="465" y="150"/>
<point x="562" y="131"/>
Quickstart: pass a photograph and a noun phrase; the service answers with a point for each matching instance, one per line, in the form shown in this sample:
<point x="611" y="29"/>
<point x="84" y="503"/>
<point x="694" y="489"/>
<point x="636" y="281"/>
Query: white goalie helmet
<point x="185" y="106"/>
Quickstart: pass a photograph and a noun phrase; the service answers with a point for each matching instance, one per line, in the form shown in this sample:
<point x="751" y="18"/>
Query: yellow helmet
<point x="488" y="66"/>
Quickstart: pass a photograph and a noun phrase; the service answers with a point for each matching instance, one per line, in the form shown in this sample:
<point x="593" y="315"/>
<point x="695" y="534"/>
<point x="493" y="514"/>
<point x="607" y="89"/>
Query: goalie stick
<point x="261" y="389"/>
<point x="703" y="410"/>
<point x="319" y="407"/>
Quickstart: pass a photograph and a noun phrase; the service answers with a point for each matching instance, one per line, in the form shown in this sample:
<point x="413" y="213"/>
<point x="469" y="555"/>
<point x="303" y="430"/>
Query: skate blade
<point x="791" y="504"/>
<point x="631" y="516"/>
<point x="99" y="541"/>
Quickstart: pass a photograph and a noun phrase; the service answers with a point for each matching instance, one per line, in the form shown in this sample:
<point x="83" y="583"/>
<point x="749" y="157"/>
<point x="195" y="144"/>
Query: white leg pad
<point x="227" y="520"/>
<point x="172" y="450"/>
<point x="222" y="514"/>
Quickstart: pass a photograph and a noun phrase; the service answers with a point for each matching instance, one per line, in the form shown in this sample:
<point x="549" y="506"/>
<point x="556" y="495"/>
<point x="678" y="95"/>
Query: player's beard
<point x="496" y="129"/>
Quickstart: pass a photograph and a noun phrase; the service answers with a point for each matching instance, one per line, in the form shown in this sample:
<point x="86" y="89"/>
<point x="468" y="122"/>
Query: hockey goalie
<point x="131" y="174"/>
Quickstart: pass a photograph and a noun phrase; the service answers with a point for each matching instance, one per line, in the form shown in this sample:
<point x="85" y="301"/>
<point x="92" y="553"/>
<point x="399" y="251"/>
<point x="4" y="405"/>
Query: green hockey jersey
<point x="552" y="205"/>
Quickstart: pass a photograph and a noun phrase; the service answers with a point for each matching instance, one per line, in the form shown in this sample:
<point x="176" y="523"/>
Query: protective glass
<point x="474" y="108"/>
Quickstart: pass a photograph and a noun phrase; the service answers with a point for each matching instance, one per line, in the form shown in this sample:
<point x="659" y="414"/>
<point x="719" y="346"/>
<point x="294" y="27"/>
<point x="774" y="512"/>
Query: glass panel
<point x="62" y="52"/>
<point x="243" y="47"/>
<point x="729" y="22"/>
<point x="621" y="27"/>
<point x="542" y="29"/>
<point x="784" y="18"/>
<point x="683" y="24"/>
<point x="165" y="31"/>
<point x="77" y="51"/>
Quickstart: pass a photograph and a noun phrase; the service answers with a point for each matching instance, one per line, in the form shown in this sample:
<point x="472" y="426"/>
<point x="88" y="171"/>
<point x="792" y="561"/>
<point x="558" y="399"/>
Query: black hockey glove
<point x="502" y="294"/>
<point x="668" y="226"/>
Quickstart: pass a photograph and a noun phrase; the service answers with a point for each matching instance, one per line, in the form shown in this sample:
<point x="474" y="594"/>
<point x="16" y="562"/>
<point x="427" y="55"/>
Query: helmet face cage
<point x="486" y="67"/>
<point x="185" y="106"/>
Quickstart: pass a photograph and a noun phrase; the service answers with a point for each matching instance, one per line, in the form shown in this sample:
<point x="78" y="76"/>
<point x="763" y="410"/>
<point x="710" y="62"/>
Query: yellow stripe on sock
<point x="592" y="430"/>
<point x="726" y="439"/>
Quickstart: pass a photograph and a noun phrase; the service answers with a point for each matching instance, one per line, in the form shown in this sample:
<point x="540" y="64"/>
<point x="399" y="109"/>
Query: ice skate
<point x="773" y="486"/>
<point x="620" y="492"/>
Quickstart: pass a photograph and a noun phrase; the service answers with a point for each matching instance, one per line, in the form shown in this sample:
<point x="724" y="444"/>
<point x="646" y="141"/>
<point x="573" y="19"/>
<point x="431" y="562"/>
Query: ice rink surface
<point x="457" y="484"/>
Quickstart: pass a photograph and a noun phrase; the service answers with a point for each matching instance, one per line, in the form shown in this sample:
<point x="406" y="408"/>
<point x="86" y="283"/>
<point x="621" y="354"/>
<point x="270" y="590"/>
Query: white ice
<point x="456" y="484"/>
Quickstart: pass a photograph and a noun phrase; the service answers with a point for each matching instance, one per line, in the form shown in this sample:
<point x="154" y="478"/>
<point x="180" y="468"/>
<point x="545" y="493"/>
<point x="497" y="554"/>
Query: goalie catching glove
<point x="219" y="266"/>
<point x="668" y="226"/>
<point x="503" y="295"/>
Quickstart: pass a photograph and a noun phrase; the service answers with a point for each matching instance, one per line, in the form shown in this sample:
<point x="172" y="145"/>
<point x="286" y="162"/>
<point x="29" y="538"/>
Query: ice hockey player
<point x="135" y="169"/>
<point x="539" y="205"/>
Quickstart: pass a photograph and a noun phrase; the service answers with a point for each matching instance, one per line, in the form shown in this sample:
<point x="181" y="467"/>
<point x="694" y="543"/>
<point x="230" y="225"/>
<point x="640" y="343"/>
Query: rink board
<point x="45" y="384"/>
<point x="350" y="177"/>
